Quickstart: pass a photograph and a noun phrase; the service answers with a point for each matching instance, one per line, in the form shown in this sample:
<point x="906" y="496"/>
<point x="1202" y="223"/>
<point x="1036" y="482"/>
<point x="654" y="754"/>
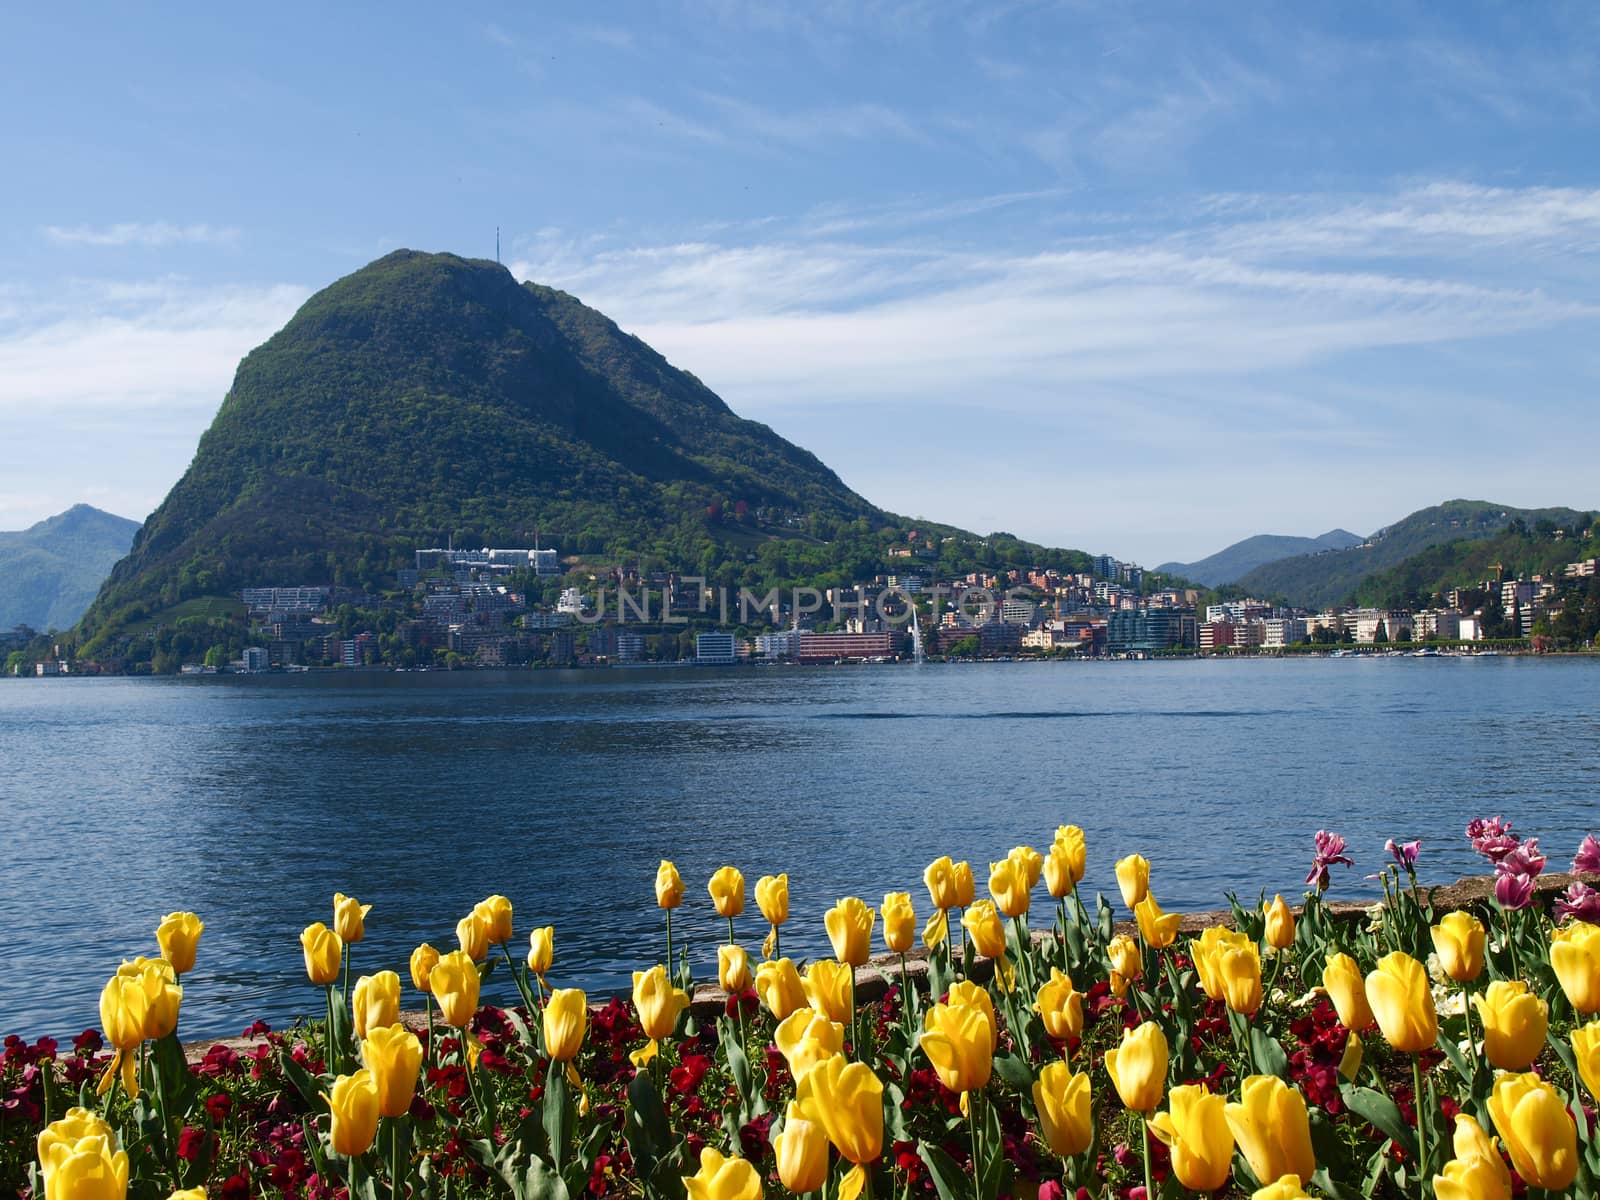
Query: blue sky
<point x="1137" y="278"/>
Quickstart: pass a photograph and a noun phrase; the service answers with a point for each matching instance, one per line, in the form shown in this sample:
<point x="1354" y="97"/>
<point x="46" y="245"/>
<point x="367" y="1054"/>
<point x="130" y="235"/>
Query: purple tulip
<point x="1513" y="891"/>
<point x="1405" y="854"/>
<point x="1588" y="860"/>
<point x="1524" y="860"/>
<point x="1330" y="850"/>
<point x="1580" y="901"/>
<point x="1492" y="837"/>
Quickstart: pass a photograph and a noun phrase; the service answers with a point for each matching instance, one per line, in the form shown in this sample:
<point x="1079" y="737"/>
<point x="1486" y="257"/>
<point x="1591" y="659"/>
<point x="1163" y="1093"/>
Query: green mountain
<point x="427" y="397"/>
<point x="1241" y="558"/>
<point x="1519" y="551"/>
<point x="1337" y="576"/>
<point x="50" y="572"/>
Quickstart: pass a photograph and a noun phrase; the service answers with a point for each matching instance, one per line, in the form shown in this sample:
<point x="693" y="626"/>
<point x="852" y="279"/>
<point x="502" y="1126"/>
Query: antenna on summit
<point x="497" y="245"/>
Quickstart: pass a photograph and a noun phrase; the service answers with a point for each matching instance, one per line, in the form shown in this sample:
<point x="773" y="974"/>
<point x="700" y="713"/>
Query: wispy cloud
<point x="136" y="233"/>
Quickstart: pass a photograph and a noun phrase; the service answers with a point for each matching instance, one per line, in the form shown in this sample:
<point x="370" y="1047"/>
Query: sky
<point x="1132" y="278"/>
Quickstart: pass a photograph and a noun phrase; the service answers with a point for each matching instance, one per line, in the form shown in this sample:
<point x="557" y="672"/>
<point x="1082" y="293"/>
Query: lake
<point x="252" y="799"/>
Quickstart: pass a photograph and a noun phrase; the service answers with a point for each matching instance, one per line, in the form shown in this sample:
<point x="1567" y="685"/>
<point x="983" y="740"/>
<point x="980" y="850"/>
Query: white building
<point x="715" y="648"/>
<point x="255" y="658"/>
<point x="1283" y="631"/>
<point x="785" y="643"/>
<point x="630" y="647"/>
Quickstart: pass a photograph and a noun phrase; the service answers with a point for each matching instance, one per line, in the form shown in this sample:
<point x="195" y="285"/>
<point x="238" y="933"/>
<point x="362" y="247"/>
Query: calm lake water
<point x="251" y="800"/>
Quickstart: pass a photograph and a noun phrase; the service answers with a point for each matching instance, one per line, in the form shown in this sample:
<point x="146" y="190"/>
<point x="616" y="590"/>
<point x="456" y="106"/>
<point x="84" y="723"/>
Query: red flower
<point x="218" y="1107"/>
<point x="687" y="1075"/>
<point x="193" y="1144"/>
<point x="236" y="1187"/>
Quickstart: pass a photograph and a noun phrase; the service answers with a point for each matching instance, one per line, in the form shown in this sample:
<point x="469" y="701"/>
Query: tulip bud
<point x="983" y="923"/>
<point x="1280" y="925"/>
<point x="1195" y="1127"/>
<point x="354" y="1105"/>
<point x="1064" y="867"/>
<point x="1133" y="878"/>
<point x="1586" y="1049"/>
<point x="78" y="1124"/>
<point x="495" y="914"/>
<point x="733" y="969"/>
<point x="1537" y="1130"/>
<point x="162" y="1000"/>
<point x="1342" y="980"/>
<point x="1402" y="1001"/>
<point x="1238" y="965"/>
<point x="1031" y="862"/>
<point x="1459" y="939"/>
<point x="375" y="1001"/>
<point x="727" y="891"/>
<point x="1060" y="1006"/>
<point x="956" y="1041"/>
<point x="1515" y="1022"/>
<point x="179" y="937"/>
<point x="473" y="936"/>
<point x="454" y="982"/>
<point x="899" y="922"/>
<point x="778" y="984"/>
<point x="772" y="898"/>
<point x="423" y="960"/>
<point x="349" y="918"/>
<point x="965" y="886"/>
<point x="669" y="885"/>
<point x="847" y="1100"/>
<point x="723" y="1178"/>
<point x="1575" y="955"/>
<point x="1477" y="1172"/>
<point x="324" y="952"/>
<point x="1206" y="950"/>
<point x="1158" y="929"/>
<point x="1272" y="1128"/>
<point x="967" y="994"/>
<point x="566" y="1020"/>
<point x="849" y="924"/>
<point x="657" y="1002"/>
<point x="394" y="1056"/>
<point x="830" y="989"/>
<point x="1062" y="1100"/>
<point x="1287" y="1188"/>
<point x="124" y="1008"/>
<point x="802" y="1153"/>
<point x="541" y="950"/>
<point x="1008" y="884"/>
<point x="1125" y="958"/>
<point x="806" y="1037"/>
<point x="940" y="876"/>
<point x="86" y="1169"/>
<point x="1138" y="1067"/>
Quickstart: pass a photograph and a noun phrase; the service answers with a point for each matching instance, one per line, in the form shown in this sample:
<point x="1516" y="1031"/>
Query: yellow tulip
<point x="1586" y="1049"/>
<point x="179" y="937"/>
<point x="1206" y="951"/>
<point x="1575" y="955"/>
<point x="805" y="1037"/>
<point x="1126" y="960"/>
<point x="1533" y="1122"/>
<point x="566" y="1020"/>
<point x="1458" y="939"/>
<point x="802" y="1153"/>
<point x="733" y="969"/>
<point x="1515" y="1022"/>
<point x="1477" y="1172"/>
<point x="1343" y="981"/>
<point x="983" y="923"/>
<point x="1069" y="854"/>
<point x="124" y="1008"/>
<point x="194" y="1193"/>
<point x="78" y="1124"/>
<point x="495" y="913"/>
<point x="772" y="898"/>
<point x="1286" y="1188"/>
<point x="1195" y="1127"/>
<point x="1031" y="861"/>
<point x="541" y="949"/>
<point x="899" y="922"/>
<point x="163" y="998"/>
<point x="669" y="885"/>
<point x="85" y="1169"/>
<point x="723" y="1178"/>
<point x="849" y="924"/>
<point x="657" y="1002"/>
<point x="1272" y="1128"/>
<point x="324" y="952"/>
<point x="354" y="1105"/>
<point x="1008" y="884"/>
<point x="965" y="885"/>
<point x="1133" y="878"/>
<point x="940" y="877"/>
<point x="349" y="918"/>
<point x="956" y="1040"/>
<point x="136" y="967"/>
<point x="846" y="1099"/>
<point x="1239" y="968"/>
<point x="1402" y="1002"/>
<point x="778" y="984"/>
<point x="1280" y="925"/>
<point x="1060" y="1006"/>
<point x="829" y="988"/>
<point x="472" y="935"/>
<point x="454" y="983"/>
<point x="1158" y="928"/>
<point x="394" y="1056"/>
<point x="727" y="891"/>
<point x="967" y="994"/>
<point x="423" y="959"/>
<point x="1062" y="1100"/>
<point x="1138" y="1067"/>
<point x="375" y="1002"/>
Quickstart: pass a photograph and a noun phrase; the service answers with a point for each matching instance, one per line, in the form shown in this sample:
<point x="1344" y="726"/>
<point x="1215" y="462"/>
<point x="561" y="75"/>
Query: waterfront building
<point x="716" y="647"/>
<point x="1144" y="630"/>
<point x="830" y="647"/>
<point x="629" y="647"/>
<point x="783" y="643"/>
<point x="1283" y="631"/>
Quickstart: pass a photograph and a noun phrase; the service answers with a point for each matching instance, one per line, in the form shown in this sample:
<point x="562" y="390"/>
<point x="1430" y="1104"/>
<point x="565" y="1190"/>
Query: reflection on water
<point x="253" y="800"/>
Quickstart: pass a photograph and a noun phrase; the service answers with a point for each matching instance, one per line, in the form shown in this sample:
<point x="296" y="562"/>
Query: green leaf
<point x="307" y="1085"/>
<point x="648" y="1133"/>
<point x="1016" y="1073"/>
<point x="894" y="1114"/>
<point x="1269" y="1052"/>
<point x="560" y="1114"/>
<point x="1382" y="1112"/>
<point x="949" y="1180"/>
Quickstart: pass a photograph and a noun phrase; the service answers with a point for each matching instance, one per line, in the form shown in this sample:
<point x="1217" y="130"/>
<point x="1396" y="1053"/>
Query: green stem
<point x="905" y="996"/>
<point x="433" y="1056"/>
<point x="777" y="943"/>
<point x="394" y="1158"/>
<point x="731" y="942"/>
<point x="331" y="1051"/>
<point x="855" y="1039"/>
<point x="519" y="977"/>
<point x="972" y="1129"/>
<point x="1144" y="1136"/>
<point x="669" y="942"/>
<point x="1422" y="1126"/>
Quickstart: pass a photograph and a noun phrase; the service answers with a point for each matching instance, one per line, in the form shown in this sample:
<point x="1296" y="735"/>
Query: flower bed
<point x="1039" y="1050"/>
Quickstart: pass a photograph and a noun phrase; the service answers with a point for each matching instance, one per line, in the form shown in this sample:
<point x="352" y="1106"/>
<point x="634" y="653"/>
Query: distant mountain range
<point x="1241" y="558"/>
<point x="50" y="572"/>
